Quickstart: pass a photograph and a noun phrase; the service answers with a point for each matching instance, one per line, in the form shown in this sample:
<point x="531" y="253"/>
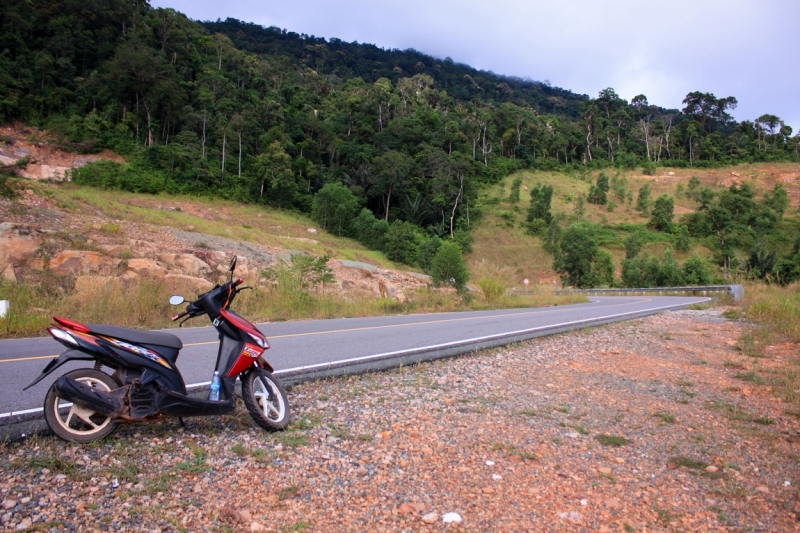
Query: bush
<point x="428" y="251"/>
<point x="576" y="254"/>
<point x="334" y="207"/>
<point x="663" y="213"/>
<point x="643" y="200"/>
<point x="448" y="266"/>
<point x="401" y="243"/>
<point x="697" y="271"/>
<point x="370" y="231"/>
<point x="604" y="269"/>
<point x="649" y="168"/>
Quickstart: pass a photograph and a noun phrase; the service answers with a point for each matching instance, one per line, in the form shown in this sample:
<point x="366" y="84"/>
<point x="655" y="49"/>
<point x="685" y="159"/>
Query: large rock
<point x="147" y="267"/>
<point x="81" y="262"/>
<point x="17" y="244"/>
<point x="192" y="265"/>
<point x="9" y="275"/>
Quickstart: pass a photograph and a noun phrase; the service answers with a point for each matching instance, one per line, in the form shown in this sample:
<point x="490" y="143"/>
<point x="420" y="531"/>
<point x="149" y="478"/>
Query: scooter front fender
<point x="69" y="355"/>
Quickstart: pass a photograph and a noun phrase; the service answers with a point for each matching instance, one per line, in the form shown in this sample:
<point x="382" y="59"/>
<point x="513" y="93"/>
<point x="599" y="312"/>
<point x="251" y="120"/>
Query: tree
<point x="778" y="201"/>
<point x="576" y="255"/>
<point x="334" y="206"/>
<point x="428" y="251"/>
<point x="643" y="200"/>
<point x="604" y="269"/>
<point x="633" y="244"/>
<point x="389" y="172"/>
<point x="697" y="271"/>
<point x="401" y="243"/>
<point x="448" y="266"/>
<point x="682" y="239"/>
<point x="541" y="198"/>
<point x="598" y="194"/>
<point x="663" y="213"/>
<point x="274" y="167"/>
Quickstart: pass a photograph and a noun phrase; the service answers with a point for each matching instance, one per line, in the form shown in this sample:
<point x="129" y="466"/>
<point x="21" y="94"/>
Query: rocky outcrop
<point x="17" y="244"/>
<point x="82" y="262"/>
<point x="189" y="264"/>
<point x="147" y="268"/>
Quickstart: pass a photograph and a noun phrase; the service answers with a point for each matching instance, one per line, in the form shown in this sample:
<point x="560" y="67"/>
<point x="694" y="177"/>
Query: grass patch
<point x="667" y="418"/>
<point x="292" y="439"/>
<point x="751" y="377"/>
<point x="297" y="527"/>
<point x="611" y="440"/>
<point x="688" y="462"/>
<point x="288" y="492"/>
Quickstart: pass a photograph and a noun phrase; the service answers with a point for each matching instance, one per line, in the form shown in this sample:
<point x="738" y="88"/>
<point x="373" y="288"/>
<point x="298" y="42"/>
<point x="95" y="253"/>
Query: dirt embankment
<point x="47" y="160"/>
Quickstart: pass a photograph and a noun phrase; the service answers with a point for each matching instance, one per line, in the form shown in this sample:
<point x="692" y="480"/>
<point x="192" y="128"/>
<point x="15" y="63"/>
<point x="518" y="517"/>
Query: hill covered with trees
<point x="264" y="115"/>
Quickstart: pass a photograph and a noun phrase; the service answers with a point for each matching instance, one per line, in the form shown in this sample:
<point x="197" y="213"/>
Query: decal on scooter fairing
<point x="144" y="352"/>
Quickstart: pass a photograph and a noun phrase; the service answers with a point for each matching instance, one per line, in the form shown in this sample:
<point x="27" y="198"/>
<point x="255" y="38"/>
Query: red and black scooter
<point x="88" y="404"/>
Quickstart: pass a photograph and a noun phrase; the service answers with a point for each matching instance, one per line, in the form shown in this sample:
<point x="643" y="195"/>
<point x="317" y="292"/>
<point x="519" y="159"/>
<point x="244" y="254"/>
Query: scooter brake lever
<point x="184" y="320"/>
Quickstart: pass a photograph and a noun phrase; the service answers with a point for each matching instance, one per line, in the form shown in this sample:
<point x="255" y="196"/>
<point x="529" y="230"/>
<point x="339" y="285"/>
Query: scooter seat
<point x="136" y="336"/>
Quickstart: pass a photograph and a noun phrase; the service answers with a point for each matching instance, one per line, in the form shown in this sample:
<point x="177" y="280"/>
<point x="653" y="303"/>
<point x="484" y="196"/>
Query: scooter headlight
<point x="63" y="336"/>
<point x="261" y="341"/>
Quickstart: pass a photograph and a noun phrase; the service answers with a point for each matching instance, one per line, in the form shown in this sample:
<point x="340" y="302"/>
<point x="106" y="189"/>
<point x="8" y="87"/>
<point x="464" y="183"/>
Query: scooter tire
<point x="79" y="424"/>
<point x="271" y="414"/>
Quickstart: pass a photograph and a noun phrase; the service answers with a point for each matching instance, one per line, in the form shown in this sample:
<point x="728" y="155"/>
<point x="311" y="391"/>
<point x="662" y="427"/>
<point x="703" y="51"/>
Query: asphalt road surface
<point x="303" y="350"/>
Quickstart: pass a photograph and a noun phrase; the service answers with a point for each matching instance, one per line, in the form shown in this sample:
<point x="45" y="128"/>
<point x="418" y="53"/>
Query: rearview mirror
<point x="233" y="264"/>
<point x="176" y="300"/>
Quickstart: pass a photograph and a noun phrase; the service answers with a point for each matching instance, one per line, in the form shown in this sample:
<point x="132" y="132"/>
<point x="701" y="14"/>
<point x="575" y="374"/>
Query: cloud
<point x="742" y="48"/>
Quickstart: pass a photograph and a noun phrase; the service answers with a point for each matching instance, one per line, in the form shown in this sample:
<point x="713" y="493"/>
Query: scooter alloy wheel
<point x="73" y="422"/>
<point x="267" y="405"/>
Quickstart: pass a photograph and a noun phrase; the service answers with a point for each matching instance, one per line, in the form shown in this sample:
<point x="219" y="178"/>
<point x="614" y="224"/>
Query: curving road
<point x="311" y="349"/>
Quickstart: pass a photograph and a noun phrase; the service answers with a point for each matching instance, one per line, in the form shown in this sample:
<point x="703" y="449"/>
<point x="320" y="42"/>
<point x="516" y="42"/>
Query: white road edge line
<point x="469" y="341"/>
<point x="400" y="352"/>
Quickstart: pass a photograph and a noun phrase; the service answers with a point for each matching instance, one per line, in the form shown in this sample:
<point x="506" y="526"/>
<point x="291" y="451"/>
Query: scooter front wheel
<point x="72" y="422"/>
<point x="265" y="400"/>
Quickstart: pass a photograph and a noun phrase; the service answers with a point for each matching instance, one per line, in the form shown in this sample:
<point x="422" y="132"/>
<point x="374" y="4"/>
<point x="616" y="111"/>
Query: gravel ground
<point x="637" y="426"/>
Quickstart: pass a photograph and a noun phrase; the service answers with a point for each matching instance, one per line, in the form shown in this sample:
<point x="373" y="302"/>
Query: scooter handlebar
<point x="180" y="315"/>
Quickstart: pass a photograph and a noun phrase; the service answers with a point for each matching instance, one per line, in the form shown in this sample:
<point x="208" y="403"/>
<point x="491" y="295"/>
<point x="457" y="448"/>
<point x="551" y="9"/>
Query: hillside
<point x="502" y="235"/>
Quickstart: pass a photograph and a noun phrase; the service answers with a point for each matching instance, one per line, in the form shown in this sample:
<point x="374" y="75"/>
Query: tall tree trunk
<point x="240" y="153"/>
<point x="458" y="197"/>
<point x="224" y="142"/>
<point x="149" y="141"/>
<point x="204" y="133"/>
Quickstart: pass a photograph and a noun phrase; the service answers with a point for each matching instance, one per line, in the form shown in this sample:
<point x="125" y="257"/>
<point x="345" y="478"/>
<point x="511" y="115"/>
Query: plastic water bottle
<point x="215" y="383"/>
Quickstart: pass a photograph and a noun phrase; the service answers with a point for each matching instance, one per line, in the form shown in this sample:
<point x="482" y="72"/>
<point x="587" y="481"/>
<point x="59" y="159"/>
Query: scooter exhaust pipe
<point x="88" y="397"/>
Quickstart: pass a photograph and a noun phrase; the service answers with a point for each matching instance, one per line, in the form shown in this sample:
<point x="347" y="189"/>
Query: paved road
<point x="324" y="347"/>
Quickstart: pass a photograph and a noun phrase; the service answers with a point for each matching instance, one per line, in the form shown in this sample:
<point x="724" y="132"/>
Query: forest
<point x="388" y="146"/>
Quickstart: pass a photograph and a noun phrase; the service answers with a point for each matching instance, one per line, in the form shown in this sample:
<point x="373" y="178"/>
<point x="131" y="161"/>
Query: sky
<point x="749" y="49"/>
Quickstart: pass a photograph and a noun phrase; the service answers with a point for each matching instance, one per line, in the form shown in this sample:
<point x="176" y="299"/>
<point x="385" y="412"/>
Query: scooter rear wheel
<point x="267" y="405"/>
<point x="72" y="422"/>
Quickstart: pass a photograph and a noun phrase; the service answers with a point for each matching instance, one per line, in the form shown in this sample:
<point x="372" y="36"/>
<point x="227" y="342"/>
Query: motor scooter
<point x="88" y="404"/>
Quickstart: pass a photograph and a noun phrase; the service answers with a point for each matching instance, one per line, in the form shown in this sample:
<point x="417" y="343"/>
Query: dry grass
<point x="222" y="218"/>
<point x="776" y="311"/>
<point x="144" y="304"/>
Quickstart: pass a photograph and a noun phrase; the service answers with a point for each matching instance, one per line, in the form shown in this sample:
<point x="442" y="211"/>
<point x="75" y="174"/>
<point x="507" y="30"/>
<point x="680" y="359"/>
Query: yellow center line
<point x="368" y="328"/>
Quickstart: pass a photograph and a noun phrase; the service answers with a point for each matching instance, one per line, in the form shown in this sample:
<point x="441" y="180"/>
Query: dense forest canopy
<point x="265" y="115"/>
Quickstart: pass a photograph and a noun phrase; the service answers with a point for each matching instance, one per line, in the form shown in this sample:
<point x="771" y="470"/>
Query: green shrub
<point x="334" y="207"/>
<point x="448" y="266"/>
<point x="401" y="243"/>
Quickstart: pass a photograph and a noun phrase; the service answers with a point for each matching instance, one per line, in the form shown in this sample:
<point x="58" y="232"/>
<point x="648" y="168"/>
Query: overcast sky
<point x="749" y="49"/>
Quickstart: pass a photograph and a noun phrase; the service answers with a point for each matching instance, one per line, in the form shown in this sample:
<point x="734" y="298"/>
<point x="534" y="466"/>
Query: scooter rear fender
<point x="69" y="355"/>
